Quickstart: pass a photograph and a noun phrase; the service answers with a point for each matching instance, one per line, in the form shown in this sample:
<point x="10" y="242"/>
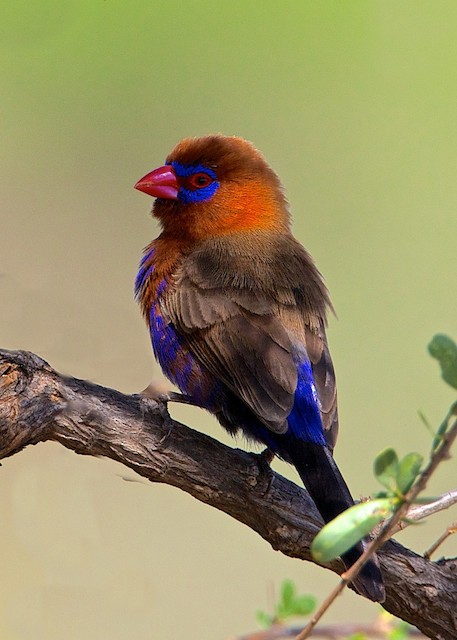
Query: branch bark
<point x="38" y="404"/>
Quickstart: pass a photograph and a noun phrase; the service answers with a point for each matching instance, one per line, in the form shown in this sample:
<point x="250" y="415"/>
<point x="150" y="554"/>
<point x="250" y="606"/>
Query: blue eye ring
<point x="198" y="180"/>
<point x="189" y="177"/>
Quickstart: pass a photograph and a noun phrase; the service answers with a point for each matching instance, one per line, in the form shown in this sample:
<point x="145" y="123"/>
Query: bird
<point x="237" y="314"/>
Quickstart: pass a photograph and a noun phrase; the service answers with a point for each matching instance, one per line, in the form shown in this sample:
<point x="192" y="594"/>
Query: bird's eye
<point x="198" y="180"/>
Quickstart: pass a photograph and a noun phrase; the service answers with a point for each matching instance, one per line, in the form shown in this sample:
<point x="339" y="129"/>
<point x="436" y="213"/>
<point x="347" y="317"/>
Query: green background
<point x="354" y="104"/>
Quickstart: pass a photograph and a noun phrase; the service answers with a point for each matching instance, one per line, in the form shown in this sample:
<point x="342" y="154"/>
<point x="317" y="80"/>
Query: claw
<point x="267" y="455"/>
<point x="264" y="460"/>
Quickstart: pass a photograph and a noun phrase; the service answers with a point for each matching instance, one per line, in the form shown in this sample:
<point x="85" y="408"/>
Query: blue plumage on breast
<point x="170" y="349"/>
<point x="177" y="361"/>
<point x="145" y="271"/>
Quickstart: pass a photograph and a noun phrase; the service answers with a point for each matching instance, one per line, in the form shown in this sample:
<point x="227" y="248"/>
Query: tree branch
<point x="38" y="404"/>
<point x="381" y="629"/>
<point x="419" y="512"/>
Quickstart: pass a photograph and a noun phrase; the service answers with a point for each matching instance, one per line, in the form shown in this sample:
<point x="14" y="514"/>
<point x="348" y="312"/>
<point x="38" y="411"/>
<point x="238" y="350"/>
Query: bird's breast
<point x="155" y="280"/>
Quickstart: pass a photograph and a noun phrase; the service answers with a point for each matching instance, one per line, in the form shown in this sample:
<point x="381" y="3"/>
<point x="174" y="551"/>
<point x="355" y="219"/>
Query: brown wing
<point x="240" y="302"/>
<point x="238" y="339"/>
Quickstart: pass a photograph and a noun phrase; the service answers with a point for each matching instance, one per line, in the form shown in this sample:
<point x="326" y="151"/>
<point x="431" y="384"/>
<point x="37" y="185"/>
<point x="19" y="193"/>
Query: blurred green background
<point x="354" y="103"/>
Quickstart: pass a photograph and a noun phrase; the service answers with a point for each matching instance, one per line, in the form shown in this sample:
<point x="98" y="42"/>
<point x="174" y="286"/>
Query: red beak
<point x="160" y="183"/>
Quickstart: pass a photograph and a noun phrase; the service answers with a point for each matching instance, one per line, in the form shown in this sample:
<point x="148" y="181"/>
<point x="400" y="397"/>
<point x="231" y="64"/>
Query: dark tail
<point x="330" y="494"/>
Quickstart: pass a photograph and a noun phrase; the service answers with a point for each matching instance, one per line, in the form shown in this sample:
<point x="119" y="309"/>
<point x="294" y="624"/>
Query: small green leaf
<point x="287" y="593"/>
<point x="444" y="426"/>
<point x="284" y="608"/>
<point x="349" y="527"/>
<point x="264" y="619"/>
<point x="289" y="604"/>
<point x="304" y="605"/>
<point x="440" y="433"/>
<point x="400" y="632"/>
<point x="408" y="470"/>
<point x="386" y="468"/>
<point x="445" y="351"/>
<point x="426" y="422"/>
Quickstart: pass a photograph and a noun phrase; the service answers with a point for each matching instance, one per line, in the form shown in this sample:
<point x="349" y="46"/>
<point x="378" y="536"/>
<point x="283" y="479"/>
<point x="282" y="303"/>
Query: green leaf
<point x="284" y="608"/>
<point x="426" y="422"/>
<point x="444" y="426"/>
<point x="445" y="351"/>
<point x="289" y="604"/>
<point x="440" y="433"/>
<point x="408" y="470"/>
<point x="401" y="631"/>
<point x="264" y="619"/>
<point x="304" y="605"/>
<point x="386" y="468"/>
<point x="287" y="593"/>
<point x="349" y="527"/>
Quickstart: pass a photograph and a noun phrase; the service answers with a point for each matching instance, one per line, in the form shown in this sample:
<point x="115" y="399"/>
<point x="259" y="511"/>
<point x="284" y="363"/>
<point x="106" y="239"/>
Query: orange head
<point x="213" y="186"/>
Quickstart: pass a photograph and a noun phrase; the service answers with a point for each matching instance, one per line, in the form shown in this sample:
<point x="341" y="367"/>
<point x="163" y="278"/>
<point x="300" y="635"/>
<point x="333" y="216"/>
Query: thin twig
<point x="419" y="512"/>
<point x="441" y="453"/>
<point x="444" y="536"/>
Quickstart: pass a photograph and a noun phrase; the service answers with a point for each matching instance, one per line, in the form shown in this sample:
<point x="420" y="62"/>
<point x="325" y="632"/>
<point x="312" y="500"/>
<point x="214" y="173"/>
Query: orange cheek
<point x="234" y="207"/>
<point x="250" y="206"/>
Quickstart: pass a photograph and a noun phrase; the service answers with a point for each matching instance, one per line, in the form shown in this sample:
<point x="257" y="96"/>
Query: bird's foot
<point x="154" y="399"/>
<point x="159" y="392"/>
<point x="160" y="406"/>
<point x="167" y="419"/>
<point x="267" y="456"/>
<point x="155" y="390"/>
<point x="172" y="396"/>
<point x="264" y="460"/>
